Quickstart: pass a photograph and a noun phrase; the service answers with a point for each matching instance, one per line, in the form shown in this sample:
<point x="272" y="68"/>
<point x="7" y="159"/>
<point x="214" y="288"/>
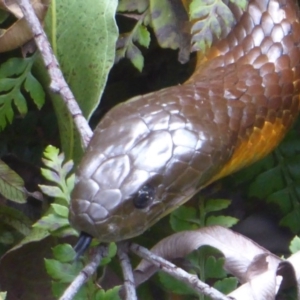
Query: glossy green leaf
<point x="83" y="35"/>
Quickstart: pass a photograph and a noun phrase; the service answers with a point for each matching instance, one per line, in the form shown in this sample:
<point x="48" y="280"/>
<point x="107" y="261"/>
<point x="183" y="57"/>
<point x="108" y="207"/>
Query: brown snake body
<point x="154" y="152"/>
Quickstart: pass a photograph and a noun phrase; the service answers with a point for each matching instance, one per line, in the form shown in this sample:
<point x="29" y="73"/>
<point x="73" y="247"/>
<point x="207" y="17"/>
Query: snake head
<point x="138" y="167"/>
<point x="119" y="181"/>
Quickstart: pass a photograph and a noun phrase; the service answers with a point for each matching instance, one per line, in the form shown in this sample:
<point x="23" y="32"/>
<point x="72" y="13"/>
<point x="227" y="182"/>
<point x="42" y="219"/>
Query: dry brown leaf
<point x="19" y="33"/>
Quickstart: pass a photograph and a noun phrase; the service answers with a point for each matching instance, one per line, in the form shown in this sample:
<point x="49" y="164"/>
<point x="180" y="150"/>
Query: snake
<point x="152" y="153"/>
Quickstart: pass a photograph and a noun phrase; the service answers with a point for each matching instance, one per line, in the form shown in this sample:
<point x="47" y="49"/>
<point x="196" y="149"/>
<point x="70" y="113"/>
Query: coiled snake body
<point x="154" y="152"/>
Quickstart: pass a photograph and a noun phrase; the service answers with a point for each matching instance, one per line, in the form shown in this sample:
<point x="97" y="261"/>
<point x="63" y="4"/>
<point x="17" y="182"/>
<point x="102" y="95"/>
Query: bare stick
<point x="167" y="267"/>
<point x="129" y="284"/>
<point x="58" y="83"/>
<point x="85" y="273"/>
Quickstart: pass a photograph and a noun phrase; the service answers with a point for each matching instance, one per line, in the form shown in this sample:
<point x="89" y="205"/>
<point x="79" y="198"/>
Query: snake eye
<point x="144" y="197"/>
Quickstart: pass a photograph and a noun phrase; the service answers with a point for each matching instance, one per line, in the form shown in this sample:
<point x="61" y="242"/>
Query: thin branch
<point x="169" y="268"/>
<point x="85" y="273"/>
<point x="58" y="83"/>
<point x="129" y="284"/>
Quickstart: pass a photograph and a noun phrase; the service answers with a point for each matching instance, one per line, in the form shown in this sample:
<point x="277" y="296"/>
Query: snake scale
<point x="152" y="153"/>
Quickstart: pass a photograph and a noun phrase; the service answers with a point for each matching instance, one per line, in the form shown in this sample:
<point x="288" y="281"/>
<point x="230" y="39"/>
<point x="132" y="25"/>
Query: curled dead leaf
<point x="19" y="33"/>
<point x="261" y="273"/>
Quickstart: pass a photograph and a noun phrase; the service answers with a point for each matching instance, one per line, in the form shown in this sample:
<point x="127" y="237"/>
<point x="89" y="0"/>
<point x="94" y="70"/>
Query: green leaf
<point x="15" y="219"/>
<point x="57" y="171"/>
<point x="173" y="285"/>
<point x="3" y="16"/>
<point x="83" y="35"/>
<point x="52" y="191"/>
<point x="214" y="267"/>
<point x="11" y="184"/>
<point x="12" y="67"/>
<point x="63" y="272"/>
<point x="64" y="253"/>
<point x="226" y="285"/>
<point x="35" y="89"/>
<point x="55" y="220"/>
<point x="60" y="210"/>
<point x="295" y="244"/>
<point x="143" y="36"/>
<point x="50" y="175"/>
<point x="134" y="54"/>
<point x="207" y="16"/>
<point x="112" y="251"/>
<point x="216" y="204"/>
<point x="164" y="22"/>
<point x="184" y="218"/>
<point x="6" y="238"/>
<point x="224" y="221"/>
<point x="51" y="222"/>
<point x="58" y="288"/>
<point x="133" y="5"/>
<point x="291" y="220"/>
<point x="3" y="295"/>
<point x="35" y="235"/>
<point x="241" y="3"/>
<point x="266" y="183"/>
<point x="7" y="84"/>
<point x="20" y="102"/>
<point x="14" y="73"/>
<point x="112" y="294"/>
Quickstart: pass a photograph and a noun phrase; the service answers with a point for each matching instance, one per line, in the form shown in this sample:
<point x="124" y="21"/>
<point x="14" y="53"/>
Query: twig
<point x="129" y="284"/>
<point x="171" y="269"/>
<point x="58" y="83"/>
<point x="85" y="273"/>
